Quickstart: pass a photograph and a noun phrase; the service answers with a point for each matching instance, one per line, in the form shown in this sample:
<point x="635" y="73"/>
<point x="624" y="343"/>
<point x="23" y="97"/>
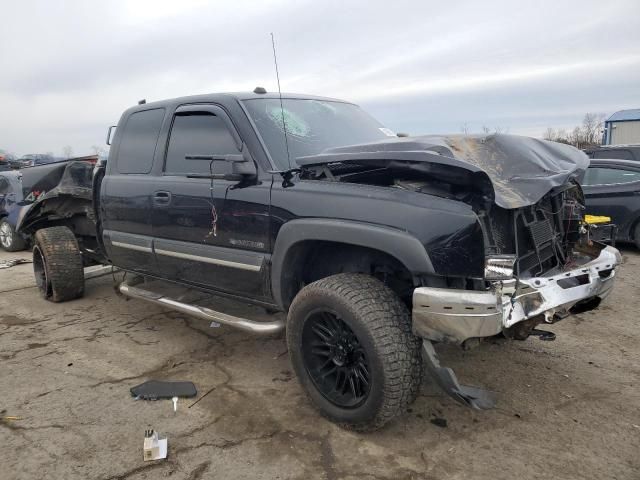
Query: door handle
<point x="162" y="198"/>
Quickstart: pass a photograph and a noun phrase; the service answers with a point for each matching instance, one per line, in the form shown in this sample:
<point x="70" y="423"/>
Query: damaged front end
<point x="515" y="306"/>
<point x="540" y="264"/>
<point x="540" y="267"/>
<point x="545" y="270"/>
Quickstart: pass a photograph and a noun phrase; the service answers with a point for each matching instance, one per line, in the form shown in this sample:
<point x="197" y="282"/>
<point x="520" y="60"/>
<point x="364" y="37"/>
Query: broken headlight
<point x="499" y="267"/>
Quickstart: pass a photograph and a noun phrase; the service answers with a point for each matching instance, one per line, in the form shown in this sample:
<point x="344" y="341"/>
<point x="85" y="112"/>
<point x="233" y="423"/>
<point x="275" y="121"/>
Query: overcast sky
<point x="69" y="68"/>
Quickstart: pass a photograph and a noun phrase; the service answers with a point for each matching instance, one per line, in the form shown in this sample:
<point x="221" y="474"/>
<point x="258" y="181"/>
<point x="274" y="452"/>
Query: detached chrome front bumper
<point x="453" y="316"/>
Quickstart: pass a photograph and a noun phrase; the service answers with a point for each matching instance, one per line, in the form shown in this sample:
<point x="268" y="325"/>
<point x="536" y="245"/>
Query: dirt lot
<point x="567" y="409"/>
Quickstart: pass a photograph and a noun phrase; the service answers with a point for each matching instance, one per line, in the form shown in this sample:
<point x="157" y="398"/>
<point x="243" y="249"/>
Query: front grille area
<point x="541" y="235"/>
<point x="541" y="232"/>
<point x="544" y="256"/>
<point x="546" y="232"/>
<point x="538" y="239"/>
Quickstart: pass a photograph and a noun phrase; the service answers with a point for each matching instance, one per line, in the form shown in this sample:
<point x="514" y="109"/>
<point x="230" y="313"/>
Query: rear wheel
<point x="57" y="264"/>
<point x="636" y="235"/>
<point x="10" y="240"/>
<point x="352" y="349"/>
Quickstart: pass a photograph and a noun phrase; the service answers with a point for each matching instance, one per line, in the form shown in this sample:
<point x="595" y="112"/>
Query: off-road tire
<point x="381" y="322"/>
<point x="57" y="264"/>
<point x="14" y="241"/>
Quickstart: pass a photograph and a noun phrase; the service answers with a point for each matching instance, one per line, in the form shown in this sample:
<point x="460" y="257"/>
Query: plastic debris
<point x="156" y="390"/>
<point x="155" y="447"/>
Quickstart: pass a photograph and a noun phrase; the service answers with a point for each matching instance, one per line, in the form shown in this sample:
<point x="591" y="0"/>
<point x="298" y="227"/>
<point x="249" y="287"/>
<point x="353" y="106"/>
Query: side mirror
<point x="243" y="167"/>
<point x="246" y="169"/>
<point x="108" y="142"/>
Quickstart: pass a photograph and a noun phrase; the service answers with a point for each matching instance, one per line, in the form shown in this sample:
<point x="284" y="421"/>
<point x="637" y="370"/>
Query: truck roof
<point x="223" y="98"/>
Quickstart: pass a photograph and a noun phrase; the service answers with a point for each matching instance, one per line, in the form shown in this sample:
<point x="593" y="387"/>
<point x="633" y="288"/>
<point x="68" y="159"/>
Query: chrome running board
<point x="203" y="313"/>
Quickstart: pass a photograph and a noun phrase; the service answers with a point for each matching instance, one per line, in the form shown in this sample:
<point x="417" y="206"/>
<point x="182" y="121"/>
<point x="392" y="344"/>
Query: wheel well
<point x="311" y="260"/>
<point x="64" y="210"/>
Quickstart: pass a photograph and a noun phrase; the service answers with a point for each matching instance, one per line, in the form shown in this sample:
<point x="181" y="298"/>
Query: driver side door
<point x="209" y="233"/>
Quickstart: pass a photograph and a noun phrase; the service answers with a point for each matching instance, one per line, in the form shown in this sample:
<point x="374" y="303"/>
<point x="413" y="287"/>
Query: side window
<point x="139" y="138"/>
<point x="618" y="154"/>
<point x="199" y="133"/>
<point x="607" y="176"/>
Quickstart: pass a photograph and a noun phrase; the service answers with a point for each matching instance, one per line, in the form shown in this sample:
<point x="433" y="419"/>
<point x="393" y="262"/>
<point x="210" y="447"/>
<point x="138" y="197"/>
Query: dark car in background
<point x="7" y="161"/>
<point x="618" y="152"/>
<point x="612" y="189"/>
<point x="11" y="198"/>
<point x="35" y="159"/>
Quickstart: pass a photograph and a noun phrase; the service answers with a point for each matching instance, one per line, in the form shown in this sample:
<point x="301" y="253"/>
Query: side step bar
<point x="204" y="313"/>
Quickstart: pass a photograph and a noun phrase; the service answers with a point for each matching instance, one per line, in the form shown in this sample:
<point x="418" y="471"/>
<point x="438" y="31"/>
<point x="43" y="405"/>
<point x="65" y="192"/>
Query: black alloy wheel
<point x="335" y="359"/>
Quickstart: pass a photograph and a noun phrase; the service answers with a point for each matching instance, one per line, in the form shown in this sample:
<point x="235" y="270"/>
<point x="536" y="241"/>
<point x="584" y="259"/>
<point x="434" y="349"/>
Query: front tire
<point x="352" y="349"/>
<point x="10" y="240"/>
<point x="57" y="264"/>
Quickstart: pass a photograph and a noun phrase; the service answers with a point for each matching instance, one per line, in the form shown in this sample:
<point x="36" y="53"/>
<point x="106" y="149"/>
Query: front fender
<point x="401" y="245"/>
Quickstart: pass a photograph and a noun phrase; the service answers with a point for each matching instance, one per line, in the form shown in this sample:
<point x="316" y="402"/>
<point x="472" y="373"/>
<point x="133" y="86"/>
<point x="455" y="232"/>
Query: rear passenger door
<point x="210" y="233"/>
<point x="127" y="189"/>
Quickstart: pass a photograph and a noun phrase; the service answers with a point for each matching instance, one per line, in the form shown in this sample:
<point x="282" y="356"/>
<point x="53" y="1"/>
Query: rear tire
<point x="636" y="235"/>
<point x="10" y="240"/>
<point x="57" y="264"/>
<point x="351" y="346"/>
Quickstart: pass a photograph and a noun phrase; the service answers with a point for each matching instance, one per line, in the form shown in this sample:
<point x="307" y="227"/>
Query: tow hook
<point x="473" y="397"/>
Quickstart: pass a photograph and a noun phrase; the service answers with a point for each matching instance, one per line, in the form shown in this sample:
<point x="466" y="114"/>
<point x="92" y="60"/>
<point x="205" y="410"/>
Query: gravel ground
<point x="566" y="409"/>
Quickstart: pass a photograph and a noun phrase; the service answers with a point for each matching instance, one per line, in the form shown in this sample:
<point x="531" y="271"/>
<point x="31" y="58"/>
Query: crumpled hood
<point x="521" y="169"/>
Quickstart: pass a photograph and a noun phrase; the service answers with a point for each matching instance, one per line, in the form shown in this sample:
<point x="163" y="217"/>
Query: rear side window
<point x="608" y="176"/>
<point x="201" y="133"/>
<point x="618" y="154"/>
<point x="139" y="139"/>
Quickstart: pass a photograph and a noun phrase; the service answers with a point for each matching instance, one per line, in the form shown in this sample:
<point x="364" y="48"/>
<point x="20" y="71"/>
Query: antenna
<point x="284" y="124"/>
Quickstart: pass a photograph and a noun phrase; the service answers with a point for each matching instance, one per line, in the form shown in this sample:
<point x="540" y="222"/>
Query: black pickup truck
<point x="376" y="246"/>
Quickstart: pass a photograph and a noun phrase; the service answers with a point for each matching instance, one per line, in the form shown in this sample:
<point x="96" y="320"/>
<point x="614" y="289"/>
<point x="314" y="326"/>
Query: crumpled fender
<point x="70" y="196"/>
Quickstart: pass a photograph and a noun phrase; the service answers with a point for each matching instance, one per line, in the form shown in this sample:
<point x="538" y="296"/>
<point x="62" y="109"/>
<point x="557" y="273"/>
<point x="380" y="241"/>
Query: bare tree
<point x="589" y="128"/>
<point x="562" y="136"/>
<point x="487" y="130"/>
<point x="465" y="128"/>
<point x="550" y="134"/>
<point x="67" y="151"/>
<point x="576" y="137"/>
<point x="592" y="126"/>
<point x="582" y="136"/>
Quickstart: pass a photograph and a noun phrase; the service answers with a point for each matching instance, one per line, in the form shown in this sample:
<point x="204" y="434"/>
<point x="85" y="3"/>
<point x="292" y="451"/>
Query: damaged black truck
<point x="375" y="246"/>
